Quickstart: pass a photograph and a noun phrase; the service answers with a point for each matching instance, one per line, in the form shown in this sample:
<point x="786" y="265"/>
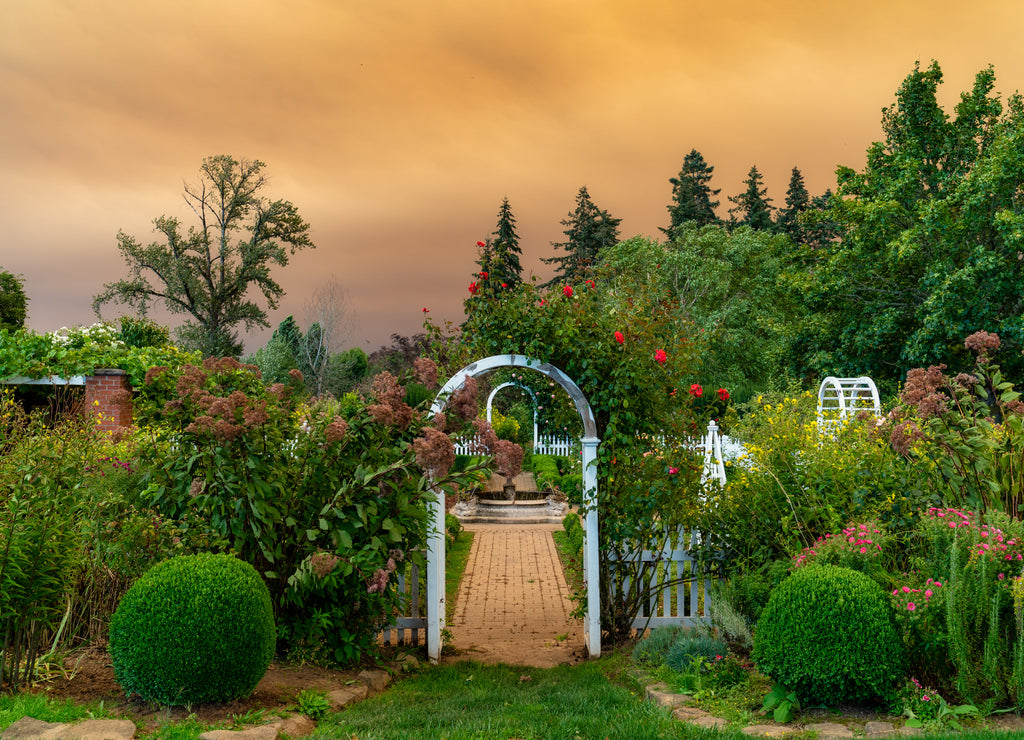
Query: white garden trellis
<point x="520" y="386"/>
<point x="839" y="399"/>
<point x="589" y="443"/>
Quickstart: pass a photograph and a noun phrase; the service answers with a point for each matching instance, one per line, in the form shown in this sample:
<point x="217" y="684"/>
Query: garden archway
<point x="528" y="391"/>
<point x="436" y="539"/>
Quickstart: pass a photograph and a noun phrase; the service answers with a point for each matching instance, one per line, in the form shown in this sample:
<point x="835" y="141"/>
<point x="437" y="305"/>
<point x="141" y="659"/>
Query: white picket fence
<point x="544" y="444"/>
<point x="677" y="586"/>
<point x="406" y="629"/>
<point x="711" y="445"/>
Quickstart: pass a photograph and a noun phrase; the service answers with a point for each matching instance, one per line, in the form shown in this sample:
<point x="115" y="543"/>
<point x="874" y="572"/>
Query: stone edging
<point x="679" y="704"/>
<point x="295" y="726"/>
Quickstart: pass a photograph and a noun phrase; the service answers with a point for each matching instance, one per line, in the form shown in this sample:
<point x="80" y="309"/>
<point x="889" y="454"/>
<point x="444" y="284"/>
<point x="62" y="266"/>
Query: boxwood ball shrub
<point x="193" y="629"/>
<point x="829" y="634"/>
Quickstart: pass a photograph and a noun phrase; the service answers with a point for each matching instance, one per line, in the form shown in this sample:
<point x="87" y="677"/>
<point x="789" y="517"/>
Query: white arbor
<point x="589" y="442"/>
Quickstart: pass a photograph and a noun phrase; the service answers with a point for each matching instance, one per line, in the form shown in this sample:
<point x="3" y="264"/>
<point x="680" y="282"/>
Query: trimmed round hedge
<point x="829" y="634"/>
<point x="193" y="629"/>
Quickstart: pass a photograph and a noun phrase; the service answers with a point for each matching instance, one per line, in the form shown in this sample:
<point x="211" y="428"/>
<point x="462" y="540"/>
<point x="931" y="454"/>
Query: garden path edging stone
<point x="678" y="704"/>
<point x="29" y="728"/>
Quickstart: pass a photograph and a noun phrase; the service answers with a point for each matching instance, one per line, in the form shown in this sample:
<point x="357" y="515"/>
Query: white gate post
<point x="591" y="562"/>
<point x="435" y="578"/>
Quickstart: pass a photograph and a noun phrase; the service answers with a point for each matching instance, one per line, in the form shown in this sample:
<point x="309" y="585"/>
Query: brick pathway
<point x="513" y="603"/>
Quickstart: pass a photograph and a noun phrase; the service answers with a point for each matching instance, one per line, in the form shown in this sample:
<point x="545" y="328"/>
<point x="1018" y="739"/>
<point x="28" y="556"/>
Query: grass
<point x="457" y="556"/>
<point x="596" y="699"/>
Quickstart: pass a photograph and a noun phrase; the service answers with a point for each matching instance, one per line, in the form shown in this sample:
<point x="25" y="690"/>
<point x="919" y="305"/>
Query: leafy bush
<point x="572" y="486"/>
<point x="545" y="472"/>
<point x="324" y="501"/>
<point x="829" y="634"/>
<point x="574" y="531"/>
<point x="794" y="485"/>
<point x="40" y="506"/>
<point x="193" y="629"/>
<point x="678" y="647"/>
<point x="683" y="652"/>
<point x="453" y="528"/>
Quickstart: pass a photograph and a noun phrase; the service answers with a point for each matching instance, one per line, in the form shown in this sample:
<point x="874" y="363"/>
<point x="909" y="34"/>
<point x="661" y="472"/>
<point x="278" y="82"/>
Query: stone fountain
<point x="518" y="503"/>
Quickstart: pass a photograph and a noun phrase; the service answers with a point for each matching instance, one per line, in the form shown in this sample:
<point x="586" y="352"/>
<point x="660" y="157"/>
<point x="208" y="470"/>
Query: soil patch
<point x="88" y="676"/>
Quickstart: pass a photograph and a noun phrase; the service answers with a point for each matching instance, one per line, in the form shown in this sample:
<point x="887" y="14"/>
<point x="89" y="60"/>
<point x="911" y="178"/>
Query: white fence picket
<point x="683" y="603"/>
<point x="406" y="629"/>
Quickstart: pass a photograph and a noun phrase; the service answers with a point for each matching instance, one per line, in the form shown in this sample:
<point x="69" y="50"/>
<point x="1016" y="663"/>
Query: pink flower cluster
<point x="859" y="538"/>
<point x="905" y="597"/>
<point x="992" y="542"/>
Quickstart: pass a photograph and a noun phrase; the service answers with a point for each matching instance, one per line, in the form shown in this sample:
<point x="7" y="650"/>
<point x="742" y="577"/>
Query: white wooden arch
<point x="520" y="386"/>
<point x="436" y="538"/>
<point x="841" y="398"/>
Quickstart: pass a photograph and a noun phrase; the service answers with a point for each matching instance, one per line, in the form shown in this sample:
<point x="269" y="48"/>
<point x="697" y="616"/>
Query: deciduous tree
<point x="207" y="272"/>
<point x="933" y="237"/>
<point x="13" y="302"/>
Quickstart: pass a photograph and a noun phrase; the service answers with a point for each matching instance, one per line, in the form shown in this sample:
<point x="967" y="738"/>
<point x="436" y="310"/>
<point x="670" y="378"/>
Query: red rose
<point x="568" y="291"/>
<point x="619" y="338"/>
<point x="660" y="356"/>
<point x="425" y="311"/>
<point x="590" y="283"/>
<point x="696" y="390"/>
<point x="483" y="275"/>
<point x="481" y="244"/>
<point x="723" y="394"/>
<point x="472" y="288"/>
<point x="504" y="285"/>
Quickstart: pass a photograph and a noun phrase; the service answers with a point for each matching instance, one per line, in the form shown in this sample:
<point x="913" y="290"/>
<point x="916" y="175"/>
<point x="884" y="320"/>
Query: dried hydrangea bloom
<point x="154" y="373"/>
<point x="903" y="437"/>
<point x="463" y="401"/>
<point x="322" y="563"/>
<point x="922" y="390"/>
<point x="440" y="422"/>
<point x="426" y="371"/>
<point x="982" y="342"/>
<point x="336" y="430"/>
<point x="197" y="488"/>
<point x="508" y="458"/>
<point x="381" y="414"/>
<point x="387" y="390"/>
<point x="486" y="441"/>
<point x="435" y="452"/>
<point x="295" y="375"/>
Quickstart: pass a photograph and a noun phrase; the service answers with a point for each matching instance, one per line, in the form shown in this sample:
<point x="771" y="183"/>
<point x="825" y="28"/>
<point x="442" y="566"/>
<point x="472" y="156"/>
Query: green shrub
<point x="545" y="472"/>
<point x="573" y="531"/>
<point x="677" y="647"/>
<point x="680" y="656"/>
<point x="829" y="634"/>
<point x="572" y="487"/>
<point x="453" y="528"/>
<point x="193" y="629"/>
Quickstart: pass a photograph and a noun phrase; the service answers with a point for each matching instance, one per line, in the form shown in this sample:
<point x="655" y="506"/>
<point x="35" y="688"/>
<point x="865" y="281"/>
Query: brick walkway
<point x="513" y="603"/>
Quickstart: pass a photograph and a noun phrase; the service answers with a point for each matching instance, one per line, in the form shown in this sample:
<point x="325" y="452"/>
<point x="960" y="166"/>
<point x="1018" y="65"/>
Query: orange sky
<point x="397" y="127"/>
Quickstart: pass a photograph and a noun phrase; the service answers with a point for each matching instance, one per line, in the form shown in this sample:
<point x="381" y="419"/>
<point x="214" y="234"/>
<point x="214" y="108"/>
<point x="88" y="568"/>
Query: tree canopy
<point x="206" y="272"/>
<point x="13" y="301"/>
<point x="932" y="237"/>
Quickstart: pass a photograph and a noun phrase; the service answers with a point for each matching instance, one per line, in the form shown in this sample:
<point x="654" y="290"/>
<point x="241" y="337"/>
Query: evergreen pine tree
<point x="797" y="201"/>
<point x="589" y="230"/>
<point x="753" y="205"/>
<point x="691" y="194"/>
<point x="503" y="263"/>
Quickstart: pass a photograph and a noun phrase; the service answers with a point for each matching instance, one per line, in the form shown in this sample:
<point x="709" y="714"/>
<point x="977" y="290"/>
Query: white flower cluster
<point x="101" y="333"/>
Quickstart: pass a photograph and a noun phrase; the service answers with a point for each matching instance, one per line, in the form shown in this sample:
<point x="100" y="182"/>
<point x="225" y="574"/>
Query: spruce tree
<point x="753" y="205"/>
<point x="503" y="263"/>
<point x="691" y="194"/>
<point x="797" y="201"/>
<point x="589" y="230"/>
